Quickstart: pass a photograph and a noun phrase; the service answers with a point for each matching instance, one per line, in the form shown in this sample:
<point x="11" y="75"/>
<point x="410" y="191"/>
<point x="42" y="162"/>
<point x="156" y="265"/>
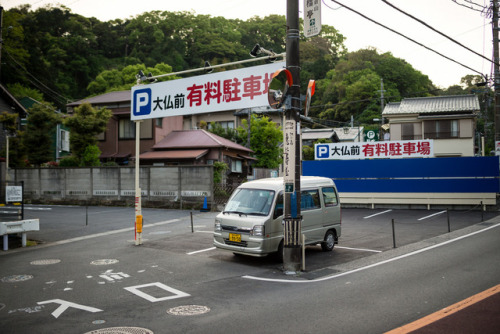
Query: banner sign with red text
<point x="375" y="150"/>
<point x="229" y="90"/>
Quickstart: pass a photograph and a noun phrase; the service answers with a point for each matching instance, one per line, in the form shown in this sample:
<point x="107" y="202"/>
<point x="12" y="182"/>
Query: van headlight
<point x="258" y="230"/>
<point x="217" y="226"/>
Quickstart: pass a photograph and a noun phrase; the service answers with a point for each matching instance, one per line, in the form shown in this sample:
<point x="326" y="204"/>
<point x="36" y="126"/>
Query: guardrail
<point x="15" y="227"/>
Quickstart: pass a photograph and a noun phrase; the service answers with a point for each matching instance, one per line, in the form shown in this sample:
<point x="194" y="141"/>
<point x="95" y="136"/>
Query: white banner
<point x="229" y="90"/>
<point x="312" y="17"/>
<point x="375" y="150"/>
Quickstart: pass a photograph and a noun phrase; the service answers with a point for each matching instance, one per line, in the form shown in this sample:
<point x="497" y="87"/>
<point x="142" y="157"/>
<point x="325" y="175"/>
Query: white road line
<point x="211" y="232"/>
<point x="377" y="214"/>
<point x="360" y="249"/>
<point x="91" y="236"/>
<point x="434" y="214"/>
<point x="374" y="264"/>
<point x="201" y="251"/>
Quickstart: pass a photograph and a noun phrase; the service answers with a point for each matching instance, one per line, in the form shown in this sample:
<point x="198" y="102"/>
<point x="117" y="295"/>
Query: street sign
<point x="229" y="90"/>
<point x="371" y="135"/>
<point x="372" y="150"/>
<point x="312" y="17"/>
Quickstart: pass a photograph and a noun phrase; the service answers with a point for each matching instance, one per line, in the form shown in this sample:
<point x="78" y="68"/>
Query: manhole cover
<point x="16" y="278"/>
<point x="45" y="262"/>
<point x="188" y="310"/>
<point x="121" y="330"/>
<point x="104" y="262"/>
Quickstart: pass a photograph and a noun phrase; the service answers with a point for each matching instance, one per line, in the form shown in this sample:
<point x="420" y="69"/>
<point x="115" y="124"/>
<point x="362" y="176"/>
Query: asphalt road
<point x="86" y="274"/>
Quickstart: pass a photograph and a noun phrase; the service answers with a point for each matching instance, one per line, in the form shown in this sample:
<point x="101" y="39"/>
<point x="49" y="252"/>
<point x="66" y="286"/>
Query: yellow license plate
<point x="234" y="237"/>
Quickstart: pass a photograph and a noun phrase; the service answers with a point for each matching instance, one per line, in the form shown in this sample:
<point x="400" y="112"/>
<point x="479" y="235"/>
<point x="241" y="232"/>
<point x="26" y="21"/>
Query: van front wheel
<point x="329" y="243"/>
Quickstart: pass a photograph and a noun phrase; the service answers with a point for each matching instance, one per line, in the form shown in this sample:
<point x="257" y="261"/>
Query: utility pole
<point x="496" y="76"/>
<point x="292" y="255"/>
<point x="381" y="107"/>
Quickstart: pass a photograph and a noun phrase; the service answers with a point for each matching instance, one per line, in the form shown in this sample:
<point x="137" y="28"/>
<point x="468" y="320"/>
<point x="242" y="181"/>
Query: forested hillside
<point x="57" y="56"/>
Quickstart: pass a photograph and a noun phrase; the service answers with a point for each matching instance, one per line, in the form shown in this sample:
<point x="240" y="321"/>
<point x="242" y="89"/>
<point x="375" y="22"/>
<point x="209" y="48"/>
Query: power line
<point x="408" y="38"/>
<point x="483" y="10"/>
<point x="38" y="83"/>
<point x="437" y="31"/>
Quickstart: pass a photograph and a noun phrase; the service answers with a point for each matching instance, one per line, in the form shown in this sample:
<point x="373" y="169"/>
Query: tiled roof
<point x="174" y="154"/>
<point x="196" y="139"/>
<point x="111" y="97"/>
<point x="435" y="104"/>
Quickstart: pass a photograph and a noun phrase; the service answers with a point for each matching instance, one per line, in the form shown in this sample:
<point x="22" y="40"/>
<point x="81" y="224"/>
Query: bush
<point x="70" y="161"/>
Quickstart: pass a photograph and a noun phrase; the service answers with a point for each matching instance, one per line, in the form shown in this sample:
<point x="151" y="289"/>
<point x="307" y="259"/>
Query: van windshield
<point x="250" y="202"/>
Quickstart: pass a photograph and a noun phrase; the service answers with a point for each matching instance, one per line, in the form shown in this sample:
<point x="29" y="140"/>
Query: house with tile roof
<point x="449" y="120"/>
<point x="200" y="147"/>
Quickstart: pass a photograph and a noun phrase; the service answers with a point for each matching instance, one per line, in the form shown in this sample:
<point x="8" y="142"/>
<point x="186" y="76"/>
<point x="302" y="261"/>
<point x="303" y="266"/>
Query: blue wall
<point x="466" y="175"/>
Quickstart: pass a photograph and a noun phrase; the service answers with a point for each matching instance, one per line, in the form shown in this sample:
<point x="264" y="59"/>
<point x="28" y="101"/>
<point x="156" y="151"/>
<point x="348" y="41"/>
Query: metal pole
<point x="291" y="158"/>
<point x="496" y="78"/>
<point x="138" y="210"/>
<point x="393" y="234"/>
<point x="192" y="228"/>
<point x="482" y="212"/>
<point x="448" y="219"/>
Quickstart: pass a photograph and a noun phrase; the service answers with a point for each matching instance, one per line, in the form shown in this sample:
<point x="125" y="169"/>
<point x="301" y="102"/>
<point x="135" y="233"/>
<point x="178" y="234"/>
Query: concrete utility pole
<point x="496" y="78"/>
<point x="292" y="255"/>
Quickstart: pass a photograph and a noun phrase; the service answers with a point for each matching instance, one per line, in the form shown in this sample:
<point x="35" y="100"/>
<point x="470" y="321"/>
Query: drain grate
<point x="104" y="262"/>
<point x="188" y="310"/>
<point x="121" y="330"/>
<point x="45" y="262"/>
<point x="16" y="278"/>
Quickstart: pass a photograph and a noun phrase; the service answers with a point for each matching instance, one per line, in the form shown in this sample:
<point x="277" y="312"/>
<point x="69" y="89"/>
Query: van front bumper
<point x="249" y="245"/>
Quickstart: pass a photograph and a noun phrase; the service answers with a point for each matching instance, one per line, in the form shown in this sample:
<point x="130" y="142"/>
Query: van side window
<point x="309" y="200"/>
<point x="330" y="196"/>
<point x="278" y="209"/>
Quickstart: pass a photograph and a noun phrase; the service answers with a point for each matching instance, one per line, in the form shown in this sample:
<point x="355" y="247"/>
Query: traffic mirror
<point x="278" y="88"/>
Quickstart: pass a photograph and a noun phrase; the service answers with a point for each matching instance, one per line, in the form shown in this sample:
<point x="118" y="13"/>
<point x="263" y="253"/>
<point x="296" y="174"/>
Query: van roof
<point x="276" y="183"/>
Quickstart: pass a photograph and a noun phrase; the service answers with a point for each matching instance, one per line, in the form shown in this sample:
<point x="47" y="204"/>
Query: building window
<point x="442" y="129"/>
<point x="236" y="166"/>
<point x="224" y="125"/>
<point x="407" y="132"/>
<point x="159" y="122"/>
<point x="127" y="129"/>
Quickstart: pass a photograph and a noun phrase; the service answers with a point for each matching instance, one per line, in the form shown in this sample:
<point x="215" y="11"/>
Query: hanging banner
<point x="229" y="90"/>
<point x="312" y="17"/>
<point x="375" y="150"/>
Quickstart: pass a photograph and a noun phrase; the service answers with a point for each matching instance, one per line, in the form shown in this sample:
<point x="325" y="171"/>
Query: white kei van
<point x="251" y="222"/>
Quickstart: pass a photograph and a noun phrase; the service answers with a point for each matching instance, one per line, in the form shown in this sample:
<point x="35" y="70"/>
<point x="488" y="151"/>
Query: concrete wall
<point x="174" y="187"/>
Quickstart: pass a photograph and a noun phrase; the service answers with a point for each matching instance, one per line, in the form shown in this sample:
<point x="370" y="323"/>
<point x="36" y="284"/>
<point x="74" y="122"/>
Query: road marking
<point x="376" y="214"/>
<point x="436" y="316"/>
<point x="176" y="293"/>
<point x="64" y="305"/>
<point x="360" y="249"/>
<point x="91" y="236"/>
<point x="434" y="214"/>
<point x="201" y="251"/>
<point x="377" y="263"/>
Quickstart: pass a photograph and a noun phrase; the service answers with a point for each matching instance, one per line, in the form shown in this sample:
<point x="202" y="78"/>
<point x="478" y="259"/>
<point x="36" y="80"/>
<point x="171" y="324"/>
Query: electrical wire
<point x="437" y="31"/>
<point x="471" y="7"/>
<point x="406" y="37"/>
<point x="38" y="83"/>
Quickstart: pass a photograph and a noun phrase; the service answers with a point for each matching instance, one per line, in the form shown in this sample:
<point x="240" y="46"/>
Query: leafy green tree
<point x="38" y="137"/>
<point x="228" y="133"/>
<point x="86" y="123"/>
<point x="265" y="139"/>
<point x="90" y="157"/>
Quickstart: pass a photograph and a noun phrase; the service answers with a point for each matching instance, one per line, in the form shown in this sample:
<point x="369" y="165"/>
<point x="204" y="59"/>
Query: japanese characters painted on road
<point x="229" y="90"/>
<point x="375" y="150"/>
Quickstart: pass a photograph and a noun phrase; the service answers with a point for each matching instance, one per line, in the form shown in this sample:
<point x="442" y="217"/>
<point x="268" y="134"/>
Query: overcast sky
<point x="469" y="27"/>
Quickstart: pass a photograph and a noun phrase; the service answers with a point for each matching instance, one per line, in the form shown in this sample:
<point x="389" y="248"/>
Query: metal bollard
<point x="393" y="235"/>
<point x="192" y="228"/>
<point x="448" y="218"/>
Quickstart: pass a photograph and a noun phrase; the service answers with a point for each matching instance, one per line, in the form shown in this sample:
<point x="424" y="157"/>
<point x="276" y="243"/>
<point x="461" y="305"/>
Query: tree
<point x="86" y="123"/>
<point x="38" y="137"/>
<point x="265" y="139"/>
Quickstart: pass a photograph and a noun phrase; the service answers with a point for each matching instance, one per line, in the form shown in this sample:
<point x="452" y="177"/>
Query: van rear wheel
<point x="329" y="243"/>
